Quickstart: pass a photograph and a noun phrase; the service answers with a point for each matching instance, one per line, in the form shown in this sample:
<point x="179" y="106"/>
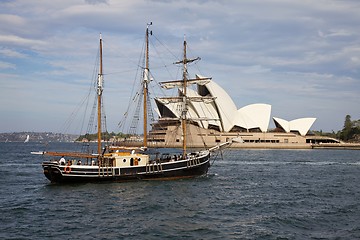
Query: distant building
<point x="217" y="119"/>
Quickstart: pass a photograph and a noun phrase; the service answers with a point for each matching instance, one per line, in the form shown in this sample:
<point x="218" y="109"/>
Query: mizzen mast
<point x="99" y="96"/>
<point x="184" y="62"/>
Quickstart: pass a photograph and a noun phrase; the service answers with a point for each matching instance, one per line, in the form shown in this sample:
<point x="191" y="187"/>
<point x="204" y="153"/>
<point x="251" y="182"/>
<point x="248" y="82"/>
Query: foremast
<point x="99" y="91"/>
<point x="146" y="80"/>
<point x="99" y="97"/>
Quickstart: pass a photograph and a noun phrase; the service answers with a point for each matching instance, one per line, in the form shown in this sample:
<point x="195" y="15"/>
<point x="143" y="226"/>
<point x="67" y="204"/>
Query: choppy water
<point x="252" y="194"/>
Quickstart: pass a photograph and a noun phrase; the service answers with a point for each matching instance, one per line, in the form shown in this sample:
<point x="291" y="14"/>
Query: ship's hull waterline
<point x="188" y="168"/>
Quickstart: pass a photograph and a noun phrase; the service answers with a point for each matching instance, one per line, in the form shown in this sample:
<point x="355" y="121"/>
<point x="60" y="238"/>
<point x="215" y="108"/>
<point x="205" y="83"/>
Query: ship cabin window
<point x="139" y="159"/>
<point x="131" y="162"/>
<point x="217" y="140"/>
<point x="124" y="160"/>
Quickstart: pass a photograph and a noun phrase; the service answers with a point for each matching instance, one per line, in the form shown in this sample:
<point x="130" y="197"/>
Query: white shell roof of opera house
<point x="224" y="114"/>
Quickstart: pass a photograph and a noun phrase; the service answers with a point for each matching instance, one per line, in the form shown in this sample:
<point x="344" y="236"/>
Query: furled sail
<point x="180" y="83"/>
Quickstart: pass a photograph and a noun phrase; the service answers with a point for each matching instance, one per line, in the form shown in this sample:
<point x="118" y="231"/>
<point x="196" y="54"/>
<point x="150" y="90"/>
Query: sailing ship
<point x="120" y="163"/>
<point x="27" y="139"/>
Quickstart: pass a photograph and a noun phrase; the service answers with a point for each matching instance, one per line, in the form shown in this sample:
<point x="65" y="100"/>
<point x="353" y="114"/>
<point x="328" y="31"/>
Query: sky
<point x="301" y="57"/>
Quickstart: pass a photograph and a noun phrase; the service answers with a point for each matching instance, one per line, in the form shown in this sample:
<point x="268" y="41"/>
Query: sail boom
<point x="189" y="99"/>
<point x="201" y="99"/>
<point x="205" y="119"/>
<point x="69" y="154"/>
<point x="186" y="61"/>
<point x="180" y="83"/>
<point x="168" y="100"/>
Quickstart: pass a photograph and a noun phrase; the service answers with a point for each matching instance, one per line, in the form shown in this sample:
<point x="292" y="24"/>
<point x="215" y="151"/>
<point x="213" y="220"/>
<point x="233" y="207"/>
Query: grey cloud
<point x="94" y="2"/>
<point x="260" y="51"/>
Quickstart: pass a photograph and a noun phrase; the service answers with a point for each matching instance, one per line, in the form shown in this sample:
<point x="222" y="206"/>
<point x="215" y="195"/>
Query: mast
<point x="184" y="108"/>
<point x="146" y="80"/>
<point x="99" y="95"/>
<point x="185" y="61"/>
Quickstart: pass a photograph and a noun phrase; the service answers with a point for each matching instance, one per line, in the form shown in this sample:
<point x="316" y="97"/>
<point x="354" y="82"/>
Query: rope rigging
<point x="133" y="115"/>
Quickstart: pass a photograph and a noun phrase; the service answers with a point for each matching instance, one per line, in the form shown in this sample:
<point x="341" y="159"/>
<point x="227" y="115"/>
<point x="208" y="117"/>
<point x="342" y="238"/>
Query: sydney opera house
<point x="217" y="119"/>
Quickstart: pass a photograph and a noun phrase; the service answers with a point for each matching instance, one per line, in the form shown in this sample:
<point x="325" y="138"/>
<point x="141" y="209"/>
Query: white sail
<point x="27" y="139"/>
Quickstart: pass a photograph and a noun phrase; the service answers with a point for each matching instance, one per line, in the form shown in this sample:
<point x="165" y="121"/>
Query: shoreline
<point x="344" y="146"/>
<point x="236" y="145"/>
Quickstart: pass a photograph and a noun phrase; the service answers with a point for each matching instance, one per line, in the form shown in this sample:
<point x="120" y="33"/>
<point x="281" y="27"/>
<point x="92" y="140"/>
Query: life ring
<point x="67" y="169"/>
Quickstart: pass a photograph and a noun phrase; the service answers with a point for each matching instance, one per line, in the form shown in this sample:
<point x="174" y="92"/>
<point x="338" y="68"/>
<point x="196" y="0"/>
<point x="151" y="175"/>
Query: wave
<point x="320" y="163"/>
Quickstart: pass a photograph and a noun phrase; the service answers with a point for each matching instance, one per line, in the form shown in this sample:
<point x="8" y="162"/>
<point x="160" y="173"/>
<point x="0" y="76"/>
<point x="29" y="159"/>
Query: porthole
<point x="139" y="159"/>
<point x="124" y="160"/>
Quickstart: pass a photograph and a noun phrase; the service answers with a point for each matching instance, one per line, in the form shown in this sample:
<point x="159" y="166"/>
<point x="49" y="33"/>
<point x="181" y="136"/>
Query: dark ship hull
<point x="188" y="168"/>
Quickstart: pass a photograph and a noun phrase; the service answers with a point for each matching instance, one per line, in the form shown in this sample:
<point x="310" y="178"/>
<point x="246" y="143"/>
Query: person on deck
<point x="62" y="161"/>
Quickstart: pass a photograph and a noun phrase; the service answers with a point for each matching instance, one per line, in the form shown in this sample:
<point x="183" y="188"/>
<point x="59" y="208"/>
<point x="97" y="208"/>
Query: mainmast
<point x="184" y="108"/>
<point x="146" y="80"/>
<point x="99" y="96"/>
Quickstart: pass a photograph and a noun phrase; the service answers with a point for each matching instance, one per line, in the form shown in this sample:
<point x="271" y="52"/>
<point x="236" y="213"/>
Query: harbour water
<point x="250" y="194"/>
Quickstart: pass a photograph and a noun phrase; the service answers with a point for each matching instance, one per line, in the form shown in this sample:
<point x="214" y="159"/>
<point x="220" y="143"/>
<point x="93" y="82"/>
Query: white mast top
<point x="100" y="75"/>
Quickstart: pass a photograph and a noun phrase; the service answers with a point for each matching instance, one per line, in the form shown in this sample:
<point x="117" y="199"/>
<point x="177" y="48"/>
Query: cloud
<point x="301" y="55"/>
<point x="11" y="19"/>
<point x="11" y="53"/>
<point x="12" y="40"/>
<point x="6" y="65"/>
<point x="336" y="33"/>
<point x="94" y="2"/>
